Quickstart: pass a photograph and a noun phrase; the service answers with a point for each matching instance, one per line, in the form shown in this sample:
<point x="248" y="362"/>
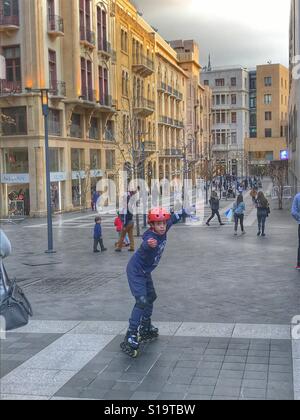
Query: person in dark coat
<point x="215" y="206"/>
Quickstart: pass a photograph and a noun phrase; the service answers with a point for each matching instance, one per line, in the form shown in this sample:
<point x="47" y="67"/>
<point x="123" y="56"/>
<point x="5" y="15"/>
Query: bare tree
<point x="278" y="173"/>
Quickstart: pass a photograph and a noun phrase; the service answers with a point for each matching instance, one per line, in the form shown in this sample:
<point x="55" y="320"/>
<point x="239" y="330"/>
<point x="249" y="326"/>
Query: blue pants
<point x="142" y="288"/>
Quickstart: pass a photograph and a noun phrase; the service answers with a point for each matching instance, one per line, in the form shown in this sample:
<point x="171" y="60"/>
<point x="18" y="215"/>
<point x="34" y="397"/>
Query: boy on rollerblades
<point x="139" y="270"/>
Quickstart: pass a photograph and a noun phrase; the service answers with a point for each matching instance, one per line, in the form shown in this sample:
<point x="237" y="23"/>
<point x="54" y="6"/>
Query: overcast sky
<point x="234" y="31"/>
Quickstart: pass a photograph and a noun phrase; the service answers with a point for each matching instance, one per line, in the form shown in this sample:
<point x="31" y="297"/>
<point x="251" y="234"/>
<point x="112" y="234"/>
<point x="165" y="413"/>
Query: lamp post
<point x="45" y="109"/>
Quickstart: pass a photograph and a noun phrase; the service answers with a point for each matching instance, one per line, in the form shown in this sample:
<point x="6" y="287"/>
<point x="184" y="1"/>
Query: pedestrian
<point x="95" y="198"/>
<point x="253" y="195"/>
<point x="119" y="226"/>
<point x="263" y="211"/>
<point x="139" y="270"/>
<point x="215" y="206"/>
<point x="238" y="211"/>
<point x="98" y="235"/>
<point x="128" y="226"/>
<point x="296" y="216"/>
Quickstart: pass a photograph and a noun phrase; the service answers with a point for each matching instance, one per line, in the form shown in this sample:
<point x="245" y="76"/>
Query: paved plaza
<point x="224" y="309"/>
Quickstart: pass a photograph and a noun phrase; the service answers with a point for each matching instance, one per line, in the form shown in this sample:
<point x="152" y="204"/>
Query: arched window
<point x="102" y="28"/>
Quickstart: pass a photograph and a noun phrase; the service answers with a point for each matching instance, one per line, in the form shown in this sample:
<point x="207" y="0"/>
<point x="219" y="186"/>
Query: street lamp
<point x="45" y="109"/>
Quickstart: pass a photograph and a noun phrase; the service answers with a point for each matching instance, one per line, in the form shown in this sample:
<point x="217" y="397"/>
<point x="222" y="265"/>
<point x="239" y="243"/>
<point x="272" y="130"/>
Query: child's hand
<point x="152" y="243"/>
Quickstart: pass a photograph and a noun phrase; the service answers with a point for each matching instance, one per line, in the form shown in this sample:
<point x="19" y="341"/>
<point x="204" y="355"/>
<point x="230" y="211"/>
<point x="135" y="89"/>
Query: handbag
<point x="14" y="306"/>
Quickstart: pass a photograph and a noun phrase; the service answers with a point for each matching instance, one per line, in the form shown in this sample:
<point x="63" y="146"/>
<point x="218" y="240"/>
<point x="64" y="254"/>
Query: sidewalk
<point x="224" y="310"/>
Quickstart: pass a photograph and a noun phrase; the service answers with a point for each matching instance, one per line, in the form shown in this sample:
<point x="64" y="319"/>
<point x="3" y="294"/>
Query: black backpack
<point x="14" y="306"/>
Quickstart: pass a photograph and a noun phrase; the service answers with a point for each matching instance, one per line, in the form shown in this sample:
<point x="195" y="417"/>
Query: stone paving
<point x="225" y="321"/>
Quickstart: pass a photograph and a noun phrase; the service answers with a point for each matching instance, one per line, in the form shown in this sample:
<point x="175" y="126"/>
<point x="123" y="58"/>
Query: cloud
<point x="245" y="37"/>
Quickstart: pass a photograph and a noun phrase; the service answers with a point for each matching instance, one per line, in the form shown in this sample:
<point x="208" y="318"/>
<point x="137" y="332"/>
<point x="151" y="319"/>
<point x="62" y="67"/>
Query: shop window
<point x="16" y="122"/>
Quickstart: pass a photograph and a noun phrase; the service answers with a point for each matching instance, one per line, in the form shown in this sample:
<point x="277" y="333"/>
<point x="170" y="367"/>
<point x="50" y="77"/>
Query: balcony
<point x="105" y="49"/>
<point x="57" y="88"/>
<point x="87" y="37"/>
<point x="144" y="106"/>
<point x="10" y="88"/>
<point x="55" y="26"/>
<point x="178" y="124"/>
<point x="149" y="146"/>
<point x="169" y="90"/>
<point x="106" y="103"/>
<point x="178" y="95"/>
<point x="143" y="65"/>
<point x="76" y="131"/>
<point x="9" y="23"/>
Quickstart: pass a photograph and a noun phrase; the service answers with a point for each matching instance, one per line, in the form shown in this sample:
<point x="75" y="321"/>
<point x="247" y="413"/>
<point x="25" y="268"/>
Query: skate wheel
<point x="135" y="354"/>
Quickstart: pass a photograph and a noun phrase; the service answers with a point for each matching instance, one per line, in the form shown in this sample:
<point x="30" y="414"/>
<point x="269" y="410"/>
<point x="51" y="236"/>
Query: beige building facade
<point x="120" y="98"/>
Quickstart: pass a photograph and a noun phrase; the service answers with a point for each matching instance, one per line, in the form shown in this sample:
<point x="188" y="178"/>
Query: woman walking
<point x="263" y="211"/>
<point x="238" y="211"/>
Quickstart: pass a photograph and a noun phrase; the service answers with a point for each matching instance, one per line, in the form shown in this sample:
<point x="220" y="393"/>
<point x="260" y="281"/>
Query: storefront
<point x="15" y="190"/>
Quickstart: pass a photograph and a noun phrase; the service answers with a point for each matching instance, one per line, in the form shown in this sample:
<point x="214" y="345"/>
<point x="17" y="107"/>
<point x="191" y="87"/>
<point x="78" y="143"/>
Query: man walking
<point x="215" y="206"/>
<point x="128" y="226"/>
<point x="296" y="216"/>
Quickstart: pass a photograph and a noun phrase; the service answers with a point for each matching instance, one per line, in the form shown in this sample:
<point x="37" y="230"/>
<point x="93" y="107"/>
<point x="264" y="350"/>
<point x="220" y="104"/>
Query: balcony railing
<point x="87" y="94"/>
<point x="177" y="94"/>
<point x="57" y="88"/>
<point x="170" y="90"/>
<point x="162" y="86"/>
<point x="54" y="128"/>
<point x="10" y="88"/>
<point x="178" y="123"/>
<point x="144" y="105"/>
<point x="143" y="65"/>
<point x="94" y="133"/>
<point x="104" y="47"/>
<point x="9" y="22"/>
<point x="87" y="36"/>
<point x="55" y="25"/>
<point x="109" y="135"/>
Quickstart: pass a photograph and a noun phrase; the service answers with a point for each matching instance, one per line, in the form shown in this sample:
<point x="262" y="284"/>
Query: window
<point x="252" y="101"/>
<point x="268" y="132"/>
<point x="125" y="83"/>
<point x="75" y="130"/>
<point x="54" y="122"/>
<point x="268" y="116"/>
<point x="223" y="99"/>
<point x="94" y="129"/>
<point x="220" y="82"/>
<point x="124" y="41"/>
<point x="10" y="11"/>
<point x="268" y="99"/>
<point x="253" y="120"/>
<point x="102" y="29"/>
<point x="268" y="81"/>
<point x="110" y="159"/>
<point x="253" y="132"/>
<point x="86" y="80"/>
<point x="52" y="70"/>
<point x="13" y="64"/>
<point x="109" y="130"/>
<point x="19" y="117"/>
<point x="233" y="138"/>
<point x="233" y="81"/>
<point x="16" y="161"/>
<point x="103" y="86"/>
<point x="206" y="82"/>
<point x="55" y="159"/>
<point x="233" y="99"/>
<point x="77" y="159"/>
<point x="95" y="159"/>
<point x="218" y="100"/>
<point x="233" y="118"/>
<point x="85" y="19"/>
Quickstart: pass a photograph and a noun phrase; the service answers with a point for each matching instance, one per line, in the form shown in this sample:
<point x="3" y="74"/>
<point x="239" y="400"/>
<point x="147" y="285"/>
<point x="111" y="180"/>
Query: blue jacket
<point x="296" y="208"/>
<point x="97" y="231"/>
<point x="146" y="259"/>
<point x="239" y="209"/>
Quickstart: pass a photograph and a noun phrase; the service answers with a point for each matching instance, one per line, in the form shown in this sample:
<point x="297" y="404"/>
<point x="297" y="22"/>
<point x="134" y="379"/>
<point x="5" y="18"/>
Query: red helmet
<point x="158" y="215"/>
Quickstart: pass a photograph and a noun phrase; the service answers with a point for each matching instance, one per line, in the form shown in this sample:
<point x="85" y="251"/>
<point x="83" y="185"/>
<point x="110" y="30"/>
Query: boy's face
<point x="160" y="227"/>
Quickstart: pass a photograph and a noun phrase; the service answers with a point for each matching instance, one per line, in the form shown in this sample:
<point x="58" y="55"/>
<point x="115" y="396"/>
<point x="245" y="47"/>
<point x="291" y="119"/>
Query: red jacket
<point x="118" y="224"/>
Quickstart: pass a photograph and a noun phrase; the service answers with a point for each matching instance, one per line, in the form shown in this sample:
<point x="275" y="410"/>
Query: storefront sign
<point x="78" y="175"/>
<point x="58" y="176"/>
<point x="14" y="178"/>
<point x="96" y="173"/>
